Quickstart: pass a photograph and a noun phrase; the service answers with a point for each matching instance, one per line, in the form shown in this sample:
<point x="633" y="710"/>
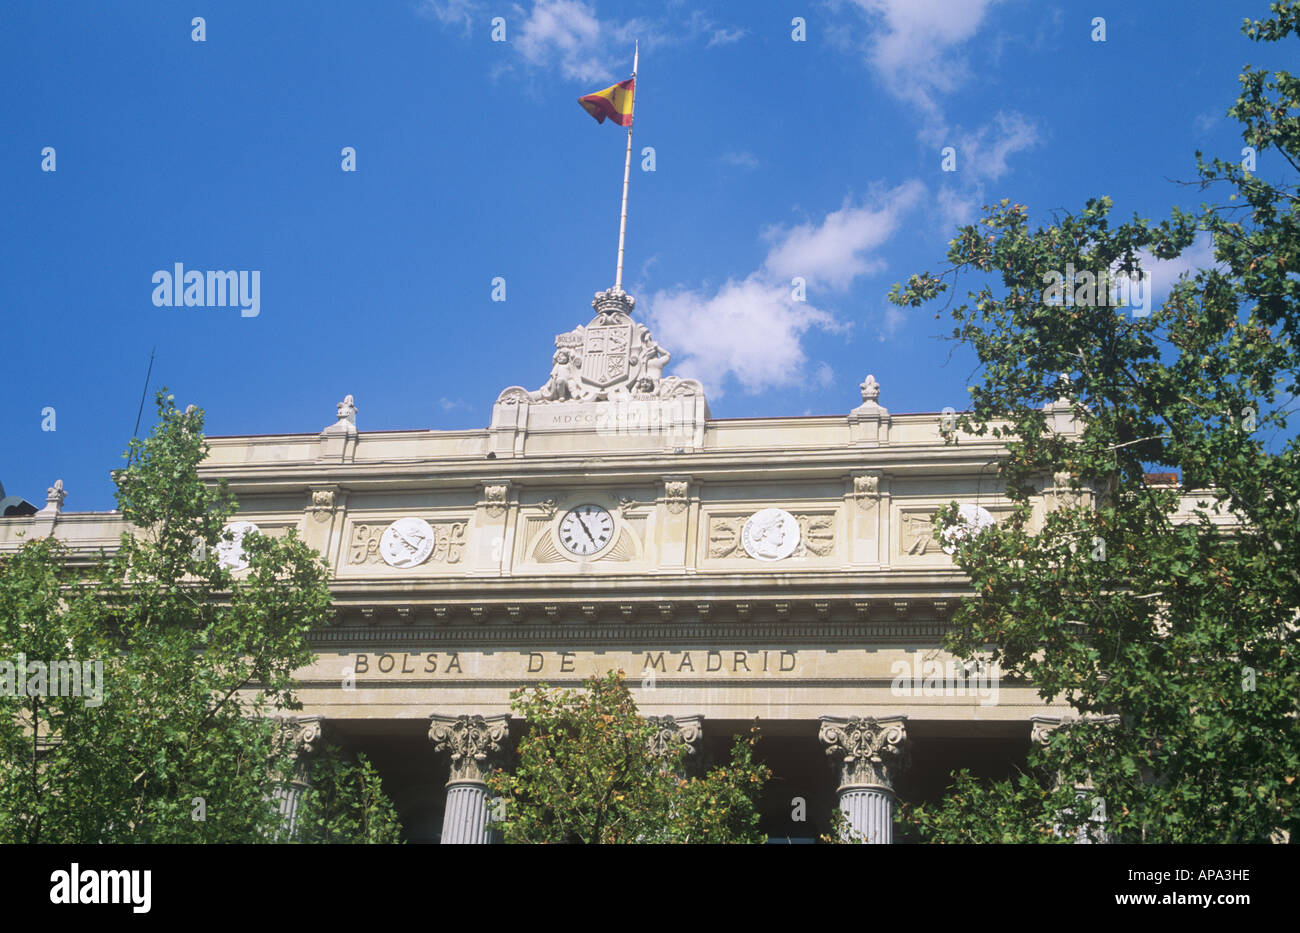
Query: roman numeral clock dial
<point x="586" y="529"/>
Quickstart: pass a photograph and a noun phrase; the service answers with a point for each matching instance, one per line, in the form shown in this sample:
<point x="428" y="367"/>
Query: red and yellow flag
<point x="613" y="102"/>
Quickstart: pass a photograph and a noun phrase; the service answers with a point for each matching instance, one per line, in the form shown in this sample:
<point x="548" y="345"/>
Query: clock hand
<point x="585" y="528"/>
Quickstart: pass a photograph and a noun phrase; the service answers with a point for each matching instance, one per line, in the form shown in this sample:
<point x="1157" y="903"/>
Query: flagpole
<point x="627" y="168"/>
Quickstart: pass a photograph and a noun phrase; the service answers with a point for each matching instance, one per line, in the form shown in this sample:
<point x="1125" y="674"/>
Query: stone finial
<point x="347" y="415"/>
<point x="54" y="497"/>
<point x="870" y="389"/>
<point x="871" y="752"/>
<point x="475" y="742"/>
<point x="1063" y="388"/>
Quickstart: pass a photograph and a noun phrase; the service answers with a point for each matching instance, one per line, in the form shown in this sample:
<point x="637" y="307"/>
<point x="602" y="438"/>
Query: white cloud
<point x="955" y="208"/>
<point x="838" y="250"/>
<point x="985" y="151"/>
<point x="1165" y="272"/>
<point x="568" y="35"/>
<point x="725" y="36"/>
<point x="739" y="159"/>
<point x="921" y="51"/>
<point x="453" y="12"/>
<point x="915" y="47"/>
<point x="752" y="329"/>
<point x="893" y="319"/>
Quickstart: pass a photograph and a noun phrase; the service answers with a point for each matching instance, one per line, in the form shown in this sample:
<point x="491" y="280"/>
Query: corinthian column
<point x="475" y="746"/>
<point x="1040" y="733"/>
<point x="301" y="739"/>
<point x="671" y="732"/>
<point x="870" y="753"/>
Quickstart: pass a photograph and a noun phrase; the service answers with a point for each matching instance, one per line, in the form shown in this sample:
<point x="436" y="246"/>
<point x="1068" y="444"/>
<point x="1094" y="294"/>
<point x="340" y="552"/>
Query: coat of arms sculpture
<point x="613" y="358"/>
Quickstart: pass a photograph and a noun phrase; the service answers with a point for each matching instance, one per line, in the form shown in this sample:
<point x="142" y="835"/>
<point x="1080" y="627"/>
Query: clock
<point x="586" y="529"/>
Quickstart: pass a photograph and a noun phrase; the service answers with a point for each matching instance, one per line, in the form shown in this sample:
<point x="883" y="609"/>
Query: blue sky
<point x="773" y="158"/>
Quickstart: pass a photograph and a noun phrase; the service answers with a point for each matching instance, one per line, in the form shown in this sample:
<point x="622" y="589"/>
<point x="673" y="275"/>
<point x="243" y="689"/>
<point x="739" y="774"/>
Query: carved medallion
<point x="407" y="542"/>
<point x="448" y="543"/>
<point x="230" y="554"/>
<point x="972" y="519"/>
<point x="770" y="534"/>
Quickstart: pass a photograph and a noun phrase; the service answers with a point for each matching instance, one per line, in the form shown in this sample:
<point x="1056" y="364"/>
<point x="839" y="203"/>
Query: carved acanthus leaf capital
<point x="672" y="731"/>
<point x="299" y="738"/>
<point x="870" y="752"/>
<point x="475" y="743"/>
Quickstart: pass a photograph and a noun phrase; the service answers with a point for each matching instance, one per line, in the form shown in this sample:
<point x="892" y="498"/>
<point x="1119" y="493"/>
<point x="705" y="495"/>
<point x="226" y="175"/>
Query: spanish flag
<point x="613" y="102"/>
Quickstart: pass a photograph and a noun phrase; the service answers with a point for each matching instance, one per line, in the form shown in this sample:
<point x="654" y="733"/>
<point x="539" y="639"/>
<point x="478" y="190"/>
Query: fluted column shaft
<point x="475" y="744"/>
<point x="869" y="812"/>
<point x="869" y="754"/>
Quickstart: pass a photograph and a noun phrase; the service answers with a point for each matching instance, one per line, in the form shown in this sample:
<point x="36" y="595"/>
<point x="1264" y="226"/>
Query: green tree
<point x="178" y="745"/>
<point x="1174" y="641"/>
<point x="346" y="803"/>
<point x="586" y="773"/>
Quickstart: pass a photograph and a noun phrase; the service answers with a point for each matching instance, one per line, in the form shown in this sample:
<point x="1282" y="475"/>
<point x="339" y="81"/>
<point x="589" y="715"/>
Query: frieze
<point x="367" y="666"/>
<point x="816" y="535"/>
<point x="916" y="533"/>
<point x="447" y="547"/>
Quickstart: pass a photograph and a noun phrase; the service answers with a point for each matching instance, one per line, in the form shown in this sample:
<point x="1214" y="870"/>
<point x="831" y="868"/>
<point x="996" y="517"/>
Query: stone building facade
<point x="773" y="569"/>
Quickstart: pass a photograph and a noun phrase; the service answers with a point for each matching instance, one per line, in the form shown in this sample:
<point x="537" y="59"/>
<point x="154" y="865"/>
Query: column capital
<point x="1042" y="727"/>
<point x="300" y="738"/>
<point x="475" y="743"/>
<point x="670" y="731"/>
<point x="871" y="752"/>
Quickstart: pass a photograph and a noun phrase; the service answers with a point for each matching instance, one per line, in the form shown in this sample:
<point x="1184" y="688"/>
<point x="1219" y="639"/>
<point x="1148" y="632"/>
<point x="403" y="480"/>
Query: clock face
<point x="586" y="529"/>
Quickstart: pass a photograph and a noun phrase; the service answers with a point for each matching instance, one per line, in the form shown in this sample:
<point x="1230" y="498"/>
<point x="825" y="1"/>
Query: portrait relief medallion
<point x="770" y="534"/>
<point x="407" y="542"/>
<point x="230" y="554"/>
<point x="972" y="519"/>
